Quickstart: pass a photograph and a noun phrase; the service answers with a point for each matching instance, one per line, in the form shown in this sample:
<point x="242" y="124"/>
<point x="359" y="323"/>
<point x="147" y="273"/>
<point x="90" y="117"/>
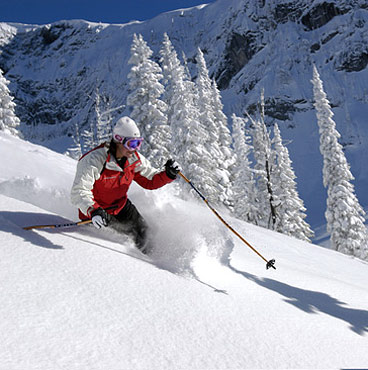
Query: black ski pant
<point x="130" y="221"/>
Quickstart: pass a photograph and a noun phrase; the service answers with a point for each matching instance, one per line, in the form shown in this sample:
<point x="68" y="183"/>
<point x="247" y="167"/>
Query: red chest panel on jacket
<point x="112" y="187"/>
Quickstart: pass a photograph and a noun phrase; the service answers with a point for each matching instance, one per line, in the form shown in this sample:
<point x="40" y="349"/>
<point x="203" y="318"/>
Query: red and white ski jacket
<point x="101" y="182"/>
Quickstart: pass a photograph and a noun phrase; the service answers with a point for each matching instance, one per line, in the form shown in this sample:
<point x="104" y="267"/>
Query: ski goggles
<point x="130" y="143"/>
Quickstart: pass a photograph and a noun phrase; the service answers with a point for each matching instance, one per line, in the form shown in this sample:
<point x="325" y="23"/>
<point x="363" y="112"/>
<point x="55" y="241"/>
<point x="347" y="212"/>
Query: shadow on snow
<point x="313" y="302"/>
<point x="14" y="222"/>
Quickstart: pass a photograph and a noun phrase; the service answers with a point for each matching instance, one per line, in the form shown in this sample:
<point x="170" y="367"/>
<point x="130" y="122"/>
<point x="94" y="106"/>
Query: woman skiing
<point x="103" y="178"/>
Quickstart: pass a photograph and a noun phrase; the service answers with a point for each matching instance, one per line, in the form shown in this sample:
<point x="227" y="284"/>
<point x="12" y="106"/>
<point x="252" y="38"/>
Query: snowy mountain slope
<point x="248" y="45"/>
<point x="83" y="298"/>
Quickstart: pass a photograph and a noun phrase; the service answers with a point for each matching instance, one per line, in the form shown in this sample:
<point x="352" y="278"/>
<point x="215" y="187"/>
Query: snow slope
<point x="81" y="298"/>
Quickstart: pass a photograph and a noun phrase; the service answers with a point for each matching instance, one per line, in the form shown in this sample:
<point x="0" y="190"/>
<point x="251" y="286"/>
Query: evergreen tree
<point x="215" y="123"/>
<point x="188" y="134"/>
<point x="227" y="157"/>
<point x="244" y="186"/>
<point x="171" y="67"/>
<point x="103" y="117"/>
<point x="289" y="207"/>
<point x="344" y="215"/>
<point x="9" y="122"/>
<point x="75" y="151"/>
<point x="100" y="120"/>
<point x="263" y="168"/>
<point x="89" y="138"/>
<point x="148" y="110"/>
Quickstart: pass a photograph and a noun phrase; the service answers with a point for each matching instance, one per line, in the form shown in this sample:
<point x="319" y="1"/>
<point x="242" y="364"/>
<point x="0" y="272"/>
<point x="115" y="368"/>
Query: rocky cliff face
<point x="248" y="45"/>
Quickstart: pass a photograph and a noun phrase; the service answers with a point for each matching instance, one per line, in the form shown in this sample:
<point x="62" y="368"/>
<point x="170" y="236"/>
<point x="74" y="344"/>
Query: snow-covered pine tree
<point x="244" y="185"/>
<point x="89" y="135"/>
<point x="263" y="168"/>
<point x="9" y="122"/>
<point x="100" y="121"/>
<point x="89" y="138"/>
<point x="225" y="141"/>
<point x="75" y="151"/>
<point x="185" y="64"/>
<point x="344" y="215"/>
<point x="215" y="122"/>
<point x="188" y="135"/>
<point x="171" y="66"/>
<point x="148" y="110"/>
<point x="289" y="207"/>
<point x="103" y="117"/>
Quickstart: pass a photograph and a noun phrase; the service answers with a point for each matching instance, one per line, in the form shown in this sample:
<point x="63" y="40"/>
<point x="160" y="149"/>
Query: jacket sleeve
<point x="149" y="177"/>
<point x="88" y="171"/>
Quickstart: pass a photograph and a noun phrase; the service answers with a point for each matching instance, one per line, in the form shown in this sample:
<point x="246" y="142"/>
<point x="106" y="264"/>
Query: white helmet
<point x="125" y="127"/>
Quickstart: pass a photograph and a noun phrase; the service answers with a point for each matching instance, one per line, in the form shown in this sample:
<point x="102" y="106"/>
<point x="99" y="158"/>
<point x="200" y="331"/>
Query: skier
<point x="103" y="178"/>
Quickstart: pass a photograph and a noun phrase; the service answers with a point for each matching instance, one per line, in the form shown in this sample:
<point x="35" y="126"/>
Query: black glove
<point x="100" y="218"/>
<point x="172" y="168"/>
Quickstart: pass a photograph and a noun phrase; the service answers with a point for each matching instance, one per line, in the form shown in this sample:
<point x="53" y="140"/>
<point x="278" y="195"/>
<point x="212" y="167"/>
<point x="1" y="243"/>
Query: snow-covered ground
<point x="81" y="298"/>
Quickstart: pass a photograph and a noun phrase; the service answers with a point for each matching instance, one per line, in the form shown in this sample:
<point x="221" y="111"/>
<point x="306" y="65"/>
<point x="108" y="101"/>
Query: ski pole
<point x="270" y="263"/>
<point x="61" y="226"/>
<point x="58" y="225"/>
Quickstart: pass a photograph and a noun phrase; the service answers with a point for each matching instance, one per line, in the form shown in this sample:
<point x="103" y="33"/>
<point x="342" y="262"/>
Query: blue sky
<point x="109" y="11"/>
